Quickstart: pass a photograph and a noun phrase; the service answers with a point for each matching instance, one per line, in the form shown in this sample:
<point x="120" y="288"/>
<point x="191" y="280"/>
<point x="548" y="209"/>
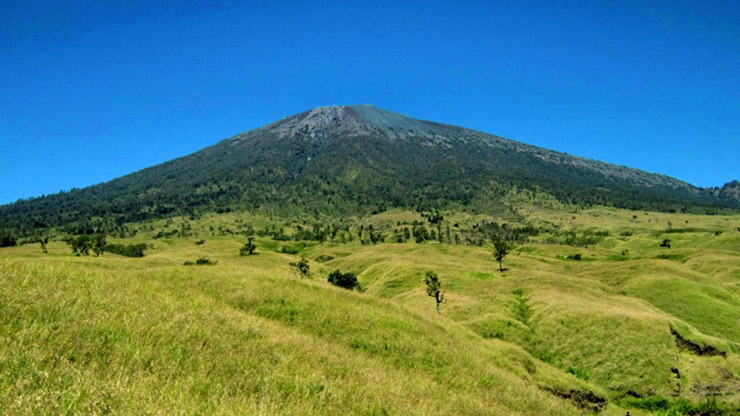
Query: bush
<point x="80" y="245"/>
<point x="203" y="261"/>
<point x="323" y="258"/>
<point x="7" y="241"/>
<point x="654" y="403"/>
<point x="289" y="250"/>
<point x="128" y="250"/>
<point x="345" y="280"/>
<point x="583" y="375"/>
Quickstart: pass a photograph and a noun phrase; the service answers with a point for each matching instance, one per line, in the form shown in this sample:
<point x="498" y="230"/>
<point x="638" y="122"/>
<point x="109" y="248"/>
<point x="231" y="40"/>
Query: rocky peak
<point x="353" y="121"/>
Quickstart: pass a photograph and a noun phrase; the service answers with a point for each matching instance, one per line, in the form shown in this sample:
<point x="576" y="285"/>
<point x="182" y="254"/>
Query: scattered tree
<point x="302" y="266"/>
<point x="248" y="248"/>
<point x="666" y="243"/>
<point x="80" y="245"/>
<point x="501" y="249"/>
<point x="43" y="242"/>
<point x="98" y="244"/>
<point x="434" y="289"/>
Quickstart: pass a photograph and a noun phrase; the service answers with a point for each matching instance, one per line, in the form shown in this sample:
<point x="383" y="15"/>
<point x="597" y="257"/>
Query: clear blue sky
<point x="91" y="90"/>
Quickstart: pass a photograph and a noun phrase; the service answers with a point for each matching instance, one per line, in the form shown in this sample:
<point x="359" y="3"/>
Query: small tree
<point x="43" y="244"/>
<point x="501" y="249"/>
<point x="303" y="267"/>
<point x="248" y="248"/>
<point x="434" y="289"/>
<point x="98" y="244"/>
<point x="80" y="245"/>
<point x="666" y="243"/>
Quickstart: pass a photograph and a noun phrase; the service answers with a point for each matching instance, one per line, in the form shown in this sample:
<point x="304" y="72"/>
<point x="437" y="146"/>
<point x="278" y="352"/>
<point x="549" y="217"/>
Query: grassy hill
<point x="630" y="326"/>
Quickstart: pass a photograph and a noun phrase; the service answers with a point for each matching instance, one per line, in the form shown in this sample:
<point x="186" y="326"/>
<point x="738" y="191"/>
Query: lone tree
<point x="248" y="248"/>
<point x="666" y="243"/>
<point x="43" y="244"/>
<point x="302" y="266"/>
<point x="500" y="250"/>
<point x="434" y="289"/>
<point x="98" y="244"/>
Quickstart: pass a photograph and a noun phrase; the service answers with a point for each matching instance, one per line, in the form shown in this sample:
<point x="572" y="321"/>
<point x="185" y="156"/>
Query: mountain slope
<point x="352" y="159"/>
<point x="729" y="191"/>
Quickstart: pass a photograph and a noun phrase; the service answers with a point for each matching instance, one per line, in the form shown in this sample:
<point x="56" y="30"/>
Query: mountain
<point x="728" y="192"/>
<point x="353" y="159"/>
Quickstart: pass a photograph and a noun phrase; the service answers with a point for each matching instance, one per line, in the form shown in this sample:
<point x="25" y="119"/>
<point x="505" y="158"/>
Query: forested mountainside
<point x="352" y="160"/>
<point x="729" y="191"/>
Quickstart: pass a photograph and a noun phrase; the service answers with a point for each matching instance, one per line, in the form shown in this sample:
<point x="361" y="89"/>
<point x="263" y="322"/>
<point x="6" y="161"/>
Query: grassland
<point x="645" y="328"/>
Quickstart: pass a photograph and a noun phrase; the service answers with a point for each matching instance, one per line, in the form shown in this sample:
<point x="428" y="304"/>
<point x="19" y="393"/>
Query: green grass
<point x="247" y="335"/>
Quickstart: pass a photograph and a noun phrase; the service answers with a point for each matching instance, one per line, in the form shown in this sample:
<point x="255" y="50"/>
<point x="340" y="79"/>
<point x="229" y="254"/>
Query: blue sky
<point x="92" y="90"/>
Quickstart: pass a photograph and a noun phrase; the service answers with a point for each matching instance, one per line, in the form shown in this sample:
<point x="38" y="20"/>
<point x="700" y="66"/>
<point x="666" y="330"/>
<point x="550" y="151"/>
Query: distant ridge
<point x="729" y="191"/>
<point x="338" y="160"/>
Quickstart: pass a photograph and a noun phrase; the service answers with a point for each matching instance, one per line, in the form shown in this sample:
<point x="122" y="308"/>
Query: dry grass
<point x="86" y="335"/>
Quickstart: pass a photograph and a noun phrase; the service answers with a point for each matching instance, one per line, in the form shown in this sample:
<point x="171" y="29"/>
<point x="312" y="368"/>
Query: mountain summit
<point x="351" y="120"/>
<point x="356" y="159"/>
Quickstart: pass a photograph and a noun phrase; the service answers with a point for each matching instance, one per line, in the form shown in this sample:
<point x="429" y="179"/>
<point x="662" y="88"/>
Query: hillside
<point x="353" y="160"/>
<point x="729" y="191"/>
<point x="624" y="325"/>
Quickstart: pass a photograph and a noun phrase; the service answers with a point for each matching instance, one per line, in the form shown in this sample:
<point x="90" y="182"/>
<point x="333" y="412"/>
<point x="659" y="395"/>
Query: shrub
<point x="7" y="241"/>
<point x="302" y="266"/>
<point x="654" y="403"/>
<point x="289" y="250"/>
<point x="323" y="258"/>
<point x="128" y="250"/>
<point x="345" y="280"/>
<point x="80" y="245"/>
<point x="582" y="374"/>
<point x="203" y="261"/>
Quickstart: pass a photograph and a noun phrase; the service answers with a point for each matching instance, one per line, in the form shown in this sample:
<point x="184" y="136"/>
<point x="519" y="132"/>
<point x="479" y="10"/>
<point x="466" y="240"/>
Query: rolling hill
<point x="619" y="324"/>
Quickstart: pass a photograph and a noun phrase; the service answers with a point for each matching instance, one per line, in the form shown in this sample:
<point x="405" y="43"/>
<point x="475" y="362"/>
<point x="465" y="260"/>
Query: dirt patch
<point x="695" y="347"/>
<point x="587" y="400"/>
